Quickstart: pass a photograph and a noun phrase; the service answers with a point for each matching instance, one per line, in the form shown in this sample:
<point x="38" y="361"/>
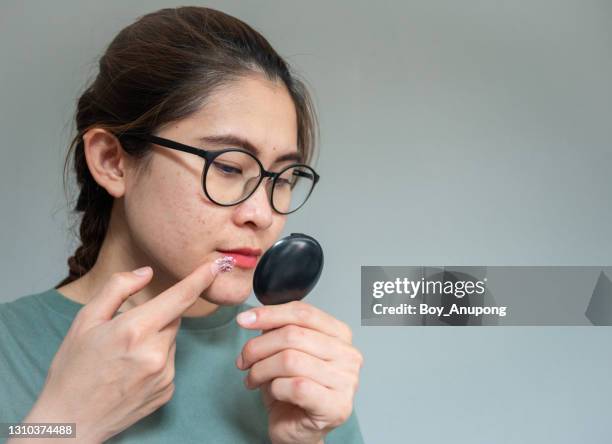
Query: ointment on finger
<point x="225" y="263"/>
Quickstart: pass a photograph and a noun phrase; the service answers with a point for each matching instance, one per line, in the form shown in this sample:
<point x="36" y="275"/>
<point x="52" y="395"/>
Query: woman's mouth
<point x="245" y="257"/>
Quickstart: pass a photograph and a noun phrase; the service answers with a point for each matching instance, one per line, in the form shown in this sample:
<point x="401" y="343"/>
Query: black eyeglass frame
<point x="209" y="156"/>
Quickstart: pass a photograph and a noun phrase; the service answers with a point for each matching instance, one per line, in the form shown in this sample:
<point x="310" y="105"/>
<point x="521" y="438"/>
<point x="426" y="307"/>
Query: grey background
<point x="453" y="133"/>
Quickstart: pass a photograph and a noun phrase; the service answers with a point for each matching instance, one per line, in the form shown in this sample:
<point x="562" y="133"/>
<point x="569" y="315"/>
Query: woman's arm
<point x="110" y="372"/>
<point x="49" y="412"/>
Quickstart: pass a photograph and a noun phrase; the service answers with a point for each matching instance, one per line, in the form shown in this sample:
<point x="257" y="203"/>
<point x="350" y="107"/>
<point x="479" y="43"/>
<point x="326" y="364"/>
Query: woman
<point x="177" y="136"/>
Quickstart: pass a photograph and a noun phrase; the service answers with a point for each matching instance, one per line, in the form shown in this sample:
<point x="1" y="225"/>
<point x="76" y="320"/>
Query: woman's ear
<point x="106" y="160"/>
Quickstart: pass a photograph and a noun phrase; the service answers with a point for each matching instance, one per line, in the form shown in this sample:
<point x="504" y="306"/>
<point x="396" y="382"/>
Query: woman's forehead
<point x="255" y="111"/>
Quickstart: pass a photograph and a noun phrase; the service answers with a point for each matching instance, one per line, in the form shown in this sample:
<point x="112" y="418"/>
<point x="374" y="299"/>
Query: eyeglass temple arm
<point x="171" y="144"/>
<point x="203" y="153"/>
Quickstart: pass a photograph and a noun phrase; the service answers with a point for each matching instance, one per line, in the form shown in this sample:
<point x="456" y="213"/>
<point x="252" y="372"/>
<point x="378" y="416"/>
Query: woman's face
<point x="169" y="217"/>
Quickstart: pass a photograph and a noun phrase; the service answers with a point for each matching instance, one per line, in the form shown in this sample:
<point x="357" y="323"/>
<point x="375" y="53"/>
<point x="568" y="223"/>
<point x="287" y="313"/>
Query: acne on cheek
<point x="188" y="217"/>
<point x="176" y="229"/>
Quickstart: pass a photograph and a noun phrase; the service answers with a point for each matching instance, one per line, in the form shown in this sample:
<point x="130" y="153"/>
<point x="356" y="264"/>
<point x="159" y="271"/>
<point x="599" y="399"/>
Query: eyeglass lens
<point x="233" y="175"/>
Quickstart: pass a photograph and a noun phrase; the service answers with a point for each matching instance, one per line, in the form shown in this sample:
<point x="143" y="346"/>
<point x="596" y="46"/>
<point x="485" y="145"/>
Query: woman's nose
<point x="257" y="208"/>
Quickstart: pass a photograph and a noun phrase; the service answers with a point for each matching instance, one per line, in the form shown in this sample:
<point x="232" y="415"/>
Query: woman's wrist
<point x="51" y="410"/>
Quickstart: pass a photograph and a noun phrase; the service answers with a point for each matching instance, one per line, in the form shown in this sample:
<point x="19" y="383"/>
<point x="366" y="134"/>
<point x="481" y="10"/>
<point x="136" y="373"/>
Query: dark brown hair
<point x="159" y="69"/>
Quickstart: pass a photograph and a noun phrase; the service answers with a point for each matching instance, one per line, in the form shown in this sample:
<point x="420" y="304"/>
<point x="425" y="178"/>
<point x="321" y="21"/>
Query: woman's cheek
<point x="160" y="232"/>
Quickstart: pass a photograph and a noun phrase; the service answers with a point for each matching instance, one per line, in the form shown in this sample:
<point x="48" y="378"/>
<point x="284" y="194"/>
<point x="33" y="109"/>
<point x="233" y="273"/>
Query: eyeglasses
<point x="230" y="176"/>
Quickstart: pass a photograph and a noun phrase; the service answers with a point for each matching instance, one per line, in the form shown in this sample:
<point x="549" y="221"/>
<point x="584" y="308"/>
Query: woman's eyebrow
<point x="234" y="140"/>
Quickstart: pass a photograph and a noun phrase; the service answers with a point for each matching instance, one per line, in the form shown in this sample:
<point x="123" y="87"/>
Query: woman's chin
<point x="227" y="295"/>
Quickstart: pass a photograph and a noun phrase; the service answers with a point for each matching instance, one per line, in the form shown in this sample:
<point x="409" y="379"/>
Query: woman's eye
<point x="227" y="169"/>
<point x="282" y="182"/>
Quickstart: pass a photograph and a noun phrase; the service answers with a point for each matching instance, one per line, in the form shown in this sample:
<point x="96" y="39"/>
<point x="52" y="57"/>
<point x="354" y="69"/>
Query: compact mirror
<point x="288" y="270"/>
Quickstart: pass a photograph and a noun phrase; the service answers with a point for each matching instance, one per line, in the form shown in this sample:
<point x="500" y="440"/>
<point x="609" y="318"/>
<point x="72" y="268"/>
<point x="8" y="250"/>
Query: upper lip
<point x="244" y="250"/>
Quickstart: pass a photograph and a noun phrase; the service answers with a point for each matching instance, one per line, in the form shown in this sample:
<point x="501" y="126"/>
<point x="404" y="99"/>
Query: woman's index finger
<point x="169" y="305"/>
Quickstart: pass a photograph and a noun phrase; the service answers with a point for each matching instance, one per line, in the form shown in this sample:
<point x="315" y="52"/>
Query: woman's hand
<point x="306" y="367"/>
<point x="110" y="372"/>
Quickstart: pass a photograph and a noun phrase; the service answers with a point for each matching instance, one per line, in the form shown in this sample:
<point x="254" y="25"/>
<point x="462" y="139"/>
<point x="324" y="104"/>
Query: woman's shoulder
<point x="28" y="311"/>
<point x="20" y="306"/>
<point x="20" y="322"/>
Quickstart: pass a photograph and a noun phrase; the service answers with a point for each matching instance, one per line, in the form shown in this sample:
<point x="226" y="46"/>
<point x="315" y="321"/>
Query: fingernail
<point x="246" y="317"/>
<point x="143" y="271"/>
<point x="224" y="264"/>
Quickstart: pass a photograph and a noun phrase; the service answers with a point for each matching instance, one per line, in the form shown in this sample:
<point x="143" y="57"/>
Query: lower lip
<point x="242" y="260"/>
